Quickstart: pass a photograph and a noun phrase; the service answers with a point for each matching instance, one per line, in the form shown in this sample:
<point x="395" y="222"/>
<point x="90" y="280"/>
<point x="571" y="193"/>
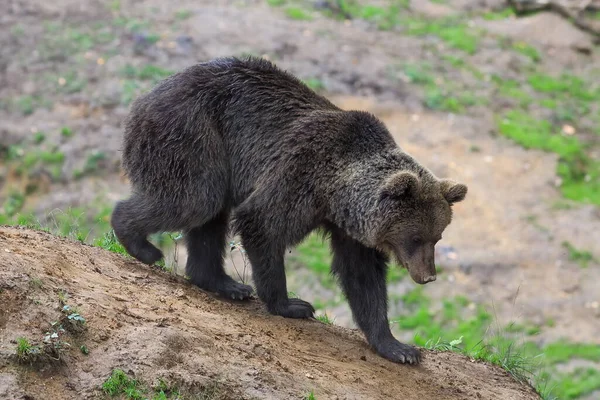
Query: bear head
<point x="415" y="211"/>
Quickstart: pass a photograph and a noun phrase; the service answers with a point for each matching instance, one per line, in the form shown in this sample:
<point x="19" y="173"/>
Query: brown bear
<point x="241" y="141"/>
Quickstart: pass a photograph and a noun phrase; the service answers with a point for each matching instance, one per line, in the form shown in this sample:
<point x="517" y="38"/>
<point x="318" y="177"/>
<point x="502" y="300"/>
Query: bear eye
<point x="417" y="240"/>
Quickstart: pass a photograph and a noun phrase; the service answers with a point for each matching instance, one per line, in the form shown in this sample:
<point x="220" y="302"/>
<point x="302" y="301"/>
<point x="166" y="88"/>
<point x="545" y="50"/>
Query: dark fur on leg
<point x="132" y="229"/>
<point x="361" y="272"/>
<point x="206" y="247"/>
<point x="267" y="258"/>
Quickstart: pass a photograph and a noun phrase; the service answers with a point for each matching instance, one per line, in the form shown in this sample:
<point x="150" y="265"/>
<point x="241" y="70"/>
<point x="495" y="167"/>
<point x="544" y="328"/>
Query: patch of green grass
<point x="465" y="329"/>
<point x="36" y="283"/>
<point x="315" y="254"/>
<point x="513" y="89"/>
<point x="384" y="18"/>
<point x="23" y="162"/>
<point x="582" y="257"/>
<point x="147" y="72"/>
<point x="324" y="318"/>
<point x="66" y="132"/>
<point x="315" y="84"/>
<point x="130" y="89"/>
<point x="528" y="51"/>
<point x="122" y="386"/>
<point x="39" y="137"/>
<point x="310" y="396"/>
<point x="435" y="329"/>
<point x="70" y="82"/>
<point x="420" y="74"/>
<point x="396" y="273"/>
<point x="580" y="175"/>
<point x="91" y="165"/>
<point x="551" y="104"/>
<point x="563" y="351"/>
<point x="576" y="384"/>
<point x="13" y="203"/>
<point x="439" y="98"/>
<point x="119" y="384"/>
<point x="442" y="345"/>
<point x="565" y="84"/>
<point x="115" y="5"/>
<point x="26" y="104"/>
<point x="456" y="62"/>
<point x="298" y="13"/>
<point x="183" y="14"/>
<point x="452" y="31"/>
<point x="276" y="3"/>
<point x="498" y="15"/>
<point x="25" y="350"/>
<point x="109" y="241"/>
<point x="133" y="25"/>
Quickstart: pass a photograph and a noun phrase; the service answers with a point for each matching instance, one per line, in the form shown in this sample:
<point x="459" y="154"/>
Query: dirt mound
<point x="153" y="326"/>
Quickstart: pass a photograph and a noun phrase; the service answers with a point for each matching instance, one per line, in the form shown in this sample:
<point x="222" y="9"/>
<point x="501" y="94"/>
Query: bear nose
<point x="430" y="278"/>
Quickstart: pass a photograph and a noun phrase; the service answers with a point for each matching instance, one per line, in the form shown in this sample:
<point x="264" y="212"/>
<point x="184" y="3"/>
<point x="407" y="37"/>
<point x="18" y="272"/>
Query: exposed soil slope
<point x="154" y="325"/>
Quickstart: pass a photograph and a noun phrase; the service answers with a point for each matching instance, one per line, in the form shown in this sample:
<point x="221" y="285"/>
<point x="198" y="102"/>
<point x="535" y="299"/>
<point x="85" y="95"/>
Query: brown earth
<point x="155" y="325"/>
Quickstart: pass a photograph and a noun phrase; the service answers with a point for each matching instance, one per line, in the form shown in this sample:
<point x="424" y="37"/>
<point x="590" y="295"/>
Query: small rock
<point x="568" y="130"/>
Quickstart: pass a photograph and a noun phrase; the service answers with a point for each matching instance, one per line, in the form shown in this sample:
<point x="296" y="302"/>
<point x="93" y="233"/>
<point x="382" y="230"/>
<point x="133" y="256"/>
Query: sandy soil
<point x="157" y="326"/>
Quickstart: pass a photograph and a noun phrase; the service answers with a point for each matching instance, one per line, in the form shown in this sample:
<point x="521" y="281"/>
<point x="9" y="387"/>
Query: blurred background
<point x="501" y="95"/>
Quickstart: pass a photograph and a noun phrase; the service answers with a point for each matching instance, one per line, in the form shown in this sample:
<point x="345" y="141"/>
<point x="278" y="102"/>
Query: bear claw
<point x="295" y="308"/>
<point x="400" y="353"/>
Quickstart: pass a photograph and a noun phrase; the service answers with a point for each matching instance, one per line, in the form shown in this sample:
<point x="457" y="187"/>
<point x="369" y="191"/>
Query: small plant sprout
<point x="26" y="352"/>
<point x="324" y="318"/>
<point x="73" y="321"/>
<point x="441" y="345"/>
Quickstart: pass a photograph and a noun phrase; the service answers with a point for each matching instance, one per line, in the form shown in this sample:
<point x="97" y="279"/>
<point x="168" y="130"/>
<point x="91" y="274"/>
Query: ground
<point x="157" y="326"/>
<point x="507" y="105"/>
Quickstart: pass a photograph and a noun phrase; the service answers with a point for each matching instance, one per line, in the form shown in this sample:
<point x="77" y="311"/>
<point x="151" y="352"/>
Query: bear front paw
<point x="398" y="352"/>
<point x="294" y="308"/>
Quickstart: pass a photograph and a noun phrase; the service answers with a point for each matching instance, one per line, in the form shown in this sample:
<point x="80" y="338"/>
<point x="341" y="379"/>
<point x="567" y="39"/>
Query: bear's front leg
<point x="361" y="272"/>
<point x="266" y="256"/>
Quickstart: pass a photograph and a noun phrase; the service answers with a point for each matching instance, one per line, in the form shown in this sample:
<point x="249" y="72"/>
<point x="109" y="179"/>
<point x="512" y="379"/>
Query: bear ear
<point x="453" y="192"/>
<point x="400" y="184"/>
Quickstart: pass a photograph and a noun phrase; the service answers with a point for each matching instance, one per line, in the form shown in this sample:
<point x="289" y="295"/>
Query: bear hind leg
<point x="206" y="247"/>
<point x="132" y="221"/>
